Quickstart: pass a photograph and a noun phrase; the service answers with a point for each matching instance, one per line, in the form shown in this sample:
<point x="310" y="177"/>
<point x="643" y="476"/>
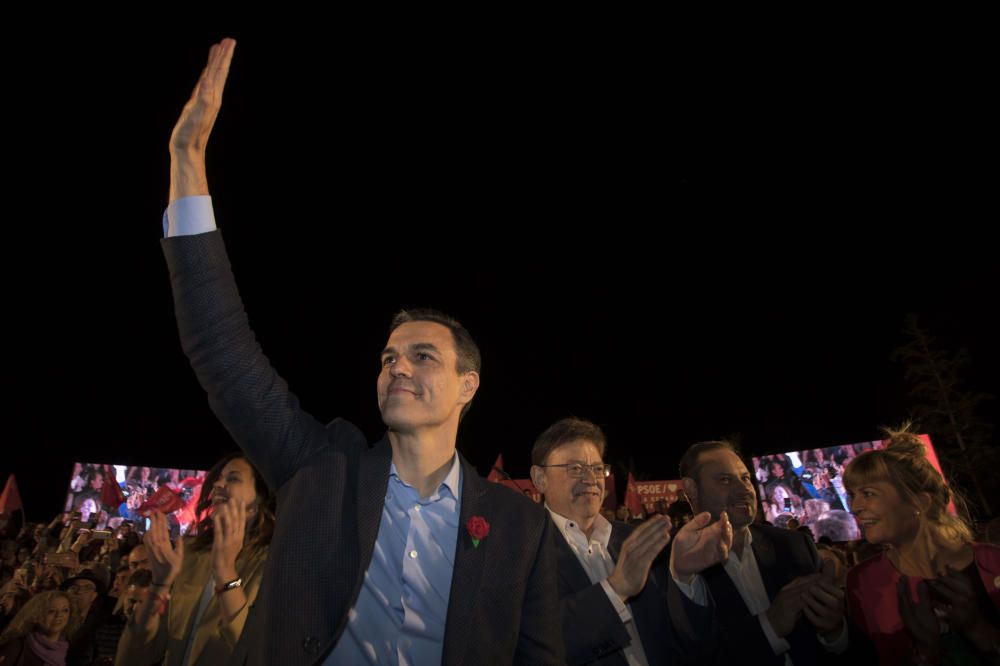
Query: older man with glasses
<point x="613" y="598"/>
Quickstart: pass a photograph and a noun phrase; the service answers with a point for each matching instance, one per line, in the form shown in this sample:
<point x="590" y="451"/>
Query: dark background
<point x="677" y="244"/>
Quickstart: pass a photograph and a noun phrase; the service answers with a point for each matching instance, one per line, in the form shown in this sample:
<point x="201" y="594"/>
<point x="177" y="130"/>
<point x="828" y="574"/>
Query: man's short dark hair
<point x="466" y="350"/>
<point x="690" y="466"/>
<point x="565" y="431"/>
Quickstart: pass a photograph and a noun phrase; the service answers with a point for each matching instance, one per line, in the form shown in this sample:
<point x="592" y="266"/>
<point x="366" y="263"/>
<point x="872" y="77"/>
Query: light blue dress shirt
<point x="400" y="614"/>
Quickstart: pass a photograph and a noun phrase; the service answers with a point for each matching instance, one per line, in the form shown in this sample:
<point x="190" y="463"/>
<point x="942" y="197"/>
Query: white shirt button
<point x="413" y="554"/>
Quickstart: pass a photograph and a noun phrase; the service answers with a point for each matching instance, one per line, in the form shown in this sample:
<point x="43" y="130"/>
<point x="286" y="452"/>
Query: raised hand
<point x="165" y="559"/>
<point x="229" y="520"/>
<point x="788" y="606"/>
<point x="637" y="555"/>
<point x="194" y="126"/>
<point x="954" y="594"/>
<point x="699" y="545"/>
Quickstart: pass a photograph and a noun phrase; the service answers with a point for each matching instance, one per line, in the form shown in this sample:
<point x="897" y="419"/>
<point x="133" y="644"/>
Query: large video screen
<point x="91" y="496"/>
<point x="808" y="484"/>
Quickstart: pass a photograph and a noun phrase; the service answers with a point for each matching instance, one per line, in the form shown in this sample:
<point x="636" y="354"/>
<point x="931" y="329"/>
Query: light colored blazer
<point x="213" y="640"/>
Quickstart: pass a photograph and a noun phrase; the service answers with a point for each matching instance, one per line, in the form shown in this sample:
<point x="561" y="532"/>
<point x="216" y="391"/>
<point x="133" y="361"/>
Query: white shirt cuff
<point x="188" y="216"/>
<point x="697" y="591"/>
<point x="623" y="612"/>
<point x="837" y="645"/>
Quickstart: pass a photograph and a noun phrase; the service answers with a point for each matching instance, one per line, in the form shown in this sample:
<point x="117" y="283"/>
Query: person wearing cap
<point x="88" y="595"/>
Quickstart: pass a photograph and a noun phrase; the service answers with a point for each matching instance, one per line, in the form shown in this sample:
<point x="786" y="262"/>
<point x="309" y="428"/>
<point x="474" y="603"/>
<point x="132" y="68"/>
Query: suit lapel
<point x="616" y="540"/>
<point x="767" y="560"/>
<point x="573" y="577"/>
<point x="469" y="565"/>
<point x="373" y="481"/>
<point x="728" y="600"/>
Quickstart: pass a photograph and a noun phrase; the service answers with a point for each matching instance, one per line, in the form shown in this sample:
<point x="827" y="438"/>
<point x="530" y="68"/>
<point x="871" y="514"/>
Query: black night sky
<point x="677" y="249"/>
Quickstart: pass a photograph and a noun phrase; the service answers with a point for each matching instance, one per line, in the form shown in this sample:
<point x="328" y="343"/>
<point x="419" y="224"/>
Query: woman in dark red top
<point x="933" y="595"/>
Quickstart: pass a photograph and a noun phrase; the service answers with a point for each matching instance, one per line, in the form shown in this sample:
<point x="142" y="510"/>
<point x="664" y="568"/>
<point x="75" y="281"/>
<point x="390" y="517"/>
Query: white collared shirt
<point x="745" y="574"/>
<point x="597" y="562"/>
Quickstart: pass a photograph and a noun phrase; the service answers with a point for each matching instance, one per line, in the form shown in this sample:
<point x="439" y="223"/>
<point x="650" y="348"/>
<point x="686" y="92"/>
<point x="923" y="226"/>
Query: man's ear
<point x="538" y="478"/>
<point x="470" y="384"/>
<point x="691" y="490"/>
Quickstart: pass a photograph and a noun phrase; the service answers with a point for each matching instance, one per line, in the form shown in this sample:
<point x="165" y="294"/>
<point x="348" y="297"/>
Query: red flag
<point x="10" y="500"/>
<point x="632" y="497"/>
<point x="188" y="516"/>
<point x="163" y="500"/>
<point x="111" y="493"/>
<point x="496" y="473"/>
<point x="611" y="497"/>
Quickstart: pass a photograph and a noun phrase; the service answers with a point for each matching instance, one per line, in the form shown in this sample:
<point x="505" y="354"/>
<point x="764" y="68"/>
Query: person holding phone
<point x="203" y="586"/>
<point x="932" y="594"/>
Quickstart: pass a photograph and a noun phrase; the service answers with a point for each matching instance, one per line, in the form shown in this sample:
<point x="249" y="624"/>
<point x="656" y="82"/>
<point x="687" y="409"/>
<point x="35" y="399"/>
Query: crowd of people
<point x="68" y="597"/>
<point x="400" y="553"/>
<point x="920" y="587"/>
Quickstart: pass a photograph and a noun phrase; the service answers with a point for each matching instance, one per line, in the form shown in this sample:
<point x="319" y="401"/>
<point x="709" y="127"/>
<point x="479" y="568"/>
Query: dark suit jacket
<point x="331" y="487"/>
<point x="782" y="555"/>
<point x="592" y="630"/>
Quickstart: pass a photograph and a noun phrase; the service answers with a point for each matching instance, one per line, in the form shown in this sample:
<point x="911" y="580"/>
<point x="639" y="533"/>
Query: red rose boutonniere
<point x="478" y="528"/>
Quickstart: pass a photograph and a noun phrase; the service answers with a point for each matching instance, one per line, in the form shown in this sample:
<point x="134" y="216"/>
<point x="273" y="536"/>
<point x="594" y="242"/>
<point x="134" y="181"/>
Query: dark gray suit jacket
<point x="331" y="487"/>
<point x="594" y="633"/>
<point x="782" y="555"/>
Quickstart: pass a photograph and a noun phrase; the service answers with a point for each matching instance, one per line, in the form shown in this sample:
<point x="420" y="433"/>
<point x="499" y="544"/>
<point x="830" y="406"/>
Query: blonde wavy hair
<point x="30" y="617"/>
<point x="903" y="463"/>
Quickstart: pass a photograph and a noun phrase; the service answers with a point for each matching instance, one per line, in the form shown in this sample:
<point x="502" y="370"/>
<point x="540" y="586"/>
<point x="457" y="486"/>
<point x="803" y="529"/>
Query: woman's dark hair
<point x="260" y="530"/>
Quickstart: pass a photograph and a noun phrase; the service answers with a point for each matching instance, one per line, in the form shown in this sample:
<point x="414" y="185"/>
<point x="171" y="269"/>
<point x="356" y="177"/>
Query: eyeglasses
<point x="79" y="588"/>
<point x="577" y="471"/>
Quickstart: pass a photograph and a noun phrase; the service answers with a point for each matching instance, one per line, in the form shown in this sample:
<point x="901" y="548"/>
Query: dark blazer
<point x="331" y="487"/>
<point x="782" y="555"/>
<point x="592" y="630"/>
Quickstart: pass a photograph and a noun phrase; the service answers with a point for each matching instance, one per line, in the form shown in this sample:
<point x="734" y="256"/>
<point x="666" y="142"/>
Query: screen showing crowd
<point x="97" y="502"/>
<point x="808" y="484"/>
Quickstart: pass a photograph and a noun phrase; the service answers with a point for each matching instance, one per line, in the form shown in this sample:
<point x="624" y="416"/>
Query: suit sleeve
<point x="245" y="392"/>
<point x="695" y="627"/>
<point x="591" y="627"/>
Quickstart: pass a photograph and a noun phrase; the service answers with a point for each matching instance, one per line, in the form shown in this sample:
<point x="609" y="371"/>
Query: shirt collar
<point x="450" y="483"/>
<point x="601" y="533"/>
<point x="747" y="549"/>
